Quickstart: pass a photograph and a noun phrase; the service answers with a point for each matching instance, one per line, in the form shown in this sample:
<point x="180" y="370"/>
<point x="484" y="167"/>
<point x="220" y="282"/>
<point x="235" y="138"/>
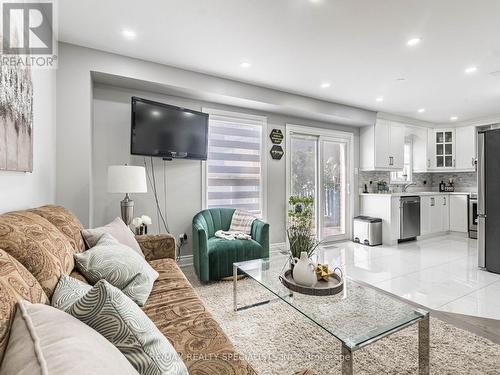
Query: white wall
<point x="19" y="190"/>
<point x="74" y="110"/>
<point x="111" y="145"/>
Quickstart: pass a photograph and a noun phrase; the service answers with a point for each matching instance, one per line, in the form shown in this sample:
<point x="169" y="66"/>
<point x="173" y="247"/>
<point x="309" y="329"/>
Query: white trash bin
<point x="367" y="230"/>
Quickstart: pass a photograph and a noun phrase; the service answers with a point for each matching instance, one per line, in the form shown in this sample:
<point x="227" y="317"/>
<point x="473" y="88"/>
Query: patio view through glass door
<point x="318" y="166"/>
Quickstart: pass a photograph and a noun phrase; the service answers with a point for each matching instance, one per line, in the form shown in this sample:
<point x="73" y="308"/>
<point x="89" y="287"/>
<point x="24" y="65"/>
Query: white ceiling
<point x="359" y="46"/>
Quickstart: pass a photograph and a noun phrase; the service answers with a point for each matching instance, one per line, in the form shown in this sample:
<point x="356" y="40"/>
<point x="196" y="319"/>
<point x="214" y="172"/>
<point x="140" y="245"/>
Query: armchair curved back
<point x="214" y="219"/>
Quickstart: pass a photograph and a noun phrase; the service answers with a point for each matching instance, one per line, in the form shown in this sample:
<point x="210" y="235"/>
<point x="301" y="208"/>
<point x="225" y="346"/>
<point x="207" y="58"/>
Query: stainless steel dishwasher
<point x="409" y="219"/>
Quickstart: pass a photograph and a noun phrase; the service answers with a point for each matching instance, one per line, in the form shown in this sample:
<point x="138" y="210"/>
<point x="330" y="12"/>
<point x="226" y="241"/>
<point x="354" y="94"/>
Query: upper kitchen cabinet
<point x="382" y="146"/>
<point x="465" y="141"/>
<point x="418" y="136"/>
<point x="441" y="149"/>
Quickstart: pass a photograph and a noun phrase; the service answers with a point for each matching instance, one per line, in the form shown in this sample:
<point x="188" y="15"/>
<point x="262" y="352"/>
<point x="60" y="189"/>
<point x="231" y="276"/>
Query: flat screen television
<point x="167" y="131"/>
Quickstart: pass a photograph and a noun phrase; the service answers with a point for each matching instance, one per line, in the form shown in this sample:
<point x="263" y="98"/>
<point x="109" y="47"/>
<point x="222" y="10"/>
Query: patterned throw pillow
<point x="68" y="291"/>
<point x="118" y="264"/>
<point x="107" y="310"/>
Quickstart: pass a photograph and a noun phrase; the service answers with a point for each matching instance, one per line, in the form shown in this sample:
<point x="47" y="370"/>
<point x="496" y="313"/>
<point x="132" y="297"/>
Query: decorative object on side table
<point x="141" y="224"/>
<point x="127" y="179"/>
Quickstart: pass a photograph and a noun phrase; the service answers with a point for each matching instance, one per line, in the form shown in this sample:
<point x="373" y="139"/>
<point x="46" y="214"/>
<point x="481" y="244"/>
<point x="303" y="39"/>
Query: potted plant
<point x="300" y="220"/>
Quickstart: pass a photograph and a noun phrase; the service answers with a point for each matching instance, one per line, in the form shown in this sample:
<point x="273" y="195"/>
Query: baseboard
<point x="185" y="261"/>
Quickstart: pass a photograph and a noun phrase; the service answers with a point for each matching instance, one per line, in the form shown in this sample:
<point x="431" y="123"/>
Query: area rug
<point x="276" y="339"/>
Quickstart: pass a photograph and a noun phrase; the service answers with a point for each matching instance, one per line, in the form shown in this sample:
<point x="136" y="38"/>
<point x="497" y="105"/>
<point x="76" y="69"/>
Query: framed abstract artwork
<point x="16" y="119"/>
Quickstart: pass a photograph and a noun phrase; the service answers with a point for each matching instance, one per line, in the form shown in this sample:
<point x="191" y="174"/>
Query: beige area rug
<point x="276" y="339"/>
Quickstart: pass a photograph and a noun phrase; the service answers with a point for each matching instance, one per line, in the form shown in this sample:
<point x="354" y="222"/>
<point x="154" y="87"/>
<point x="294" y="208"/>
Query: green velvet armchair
<point x="213" y="257"/>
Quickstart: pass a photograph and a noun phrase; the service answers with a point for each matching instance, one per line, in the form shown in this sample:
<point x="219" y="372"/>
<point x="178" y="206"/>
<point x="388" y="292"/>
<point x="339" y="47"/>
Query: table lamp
<point x="127" y="179"/>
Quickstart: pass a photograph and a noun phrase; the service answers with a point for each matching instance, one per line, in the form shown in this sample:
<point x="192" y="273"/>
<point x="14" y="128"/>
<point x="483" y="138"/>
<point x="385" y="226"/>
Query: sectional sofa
<point x="37" y="247"/>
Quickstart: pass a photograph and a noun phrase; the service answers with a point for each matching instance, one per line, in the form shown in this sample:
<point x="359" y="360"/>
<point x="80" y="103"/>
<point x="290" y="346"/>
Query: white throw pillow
<point x="46" y="341"/>
<point x="118" y="264"/>
<point x="118" y="229"/>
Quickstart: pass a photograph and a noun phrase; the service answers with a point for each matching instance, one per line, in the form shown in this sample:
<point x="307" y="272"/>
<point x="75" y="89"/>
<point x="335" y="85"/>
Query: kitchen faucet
<point x="406" y="186"/>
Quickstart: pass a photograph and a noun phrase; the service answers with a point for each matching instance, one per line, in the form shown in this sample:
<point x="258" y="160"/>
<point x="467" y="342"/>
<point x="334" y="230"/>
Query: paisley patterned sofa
<point x="37" y="247"/>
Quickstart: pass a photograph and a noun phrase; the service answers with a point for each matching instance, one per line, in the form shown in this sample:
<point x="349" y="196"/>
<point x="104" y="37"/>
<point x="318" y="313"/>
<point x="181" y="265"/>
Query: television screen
<point x="167" y="131"/>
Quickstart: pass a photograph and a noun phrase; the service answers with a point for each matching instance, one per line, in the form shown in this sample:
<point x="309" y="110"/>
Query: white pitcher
<point x="303" y="271"/>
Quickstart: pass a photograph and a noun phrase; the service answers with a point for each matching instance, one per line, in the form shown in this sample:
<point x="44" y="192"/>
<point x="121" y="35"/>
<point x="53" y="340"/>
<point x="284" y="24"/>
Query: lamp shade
<point x="126" y="179"/>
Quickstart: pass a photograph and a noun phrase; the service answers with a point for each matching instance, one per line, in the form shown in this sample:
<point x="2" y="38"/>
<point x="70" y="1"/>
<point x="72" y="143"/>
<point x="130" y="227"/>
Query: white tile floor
<point x="440" y="273"/>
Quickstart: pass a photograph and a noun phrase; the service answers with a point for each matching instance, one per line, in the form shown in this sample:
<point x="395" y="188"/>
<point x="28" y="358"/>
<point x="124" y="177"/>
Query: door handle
<point x="481" y="216"/>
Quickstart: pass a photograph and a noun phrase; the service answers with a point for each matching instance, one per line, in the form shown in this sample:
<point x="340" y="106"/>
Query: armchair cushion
<point x="223" y="253"/>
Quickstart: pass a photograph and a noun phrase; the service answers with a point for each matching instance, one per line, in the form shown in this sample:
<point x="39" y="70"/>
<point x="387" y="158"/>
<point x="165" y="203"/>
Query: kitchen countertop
<point x="417" y="193"/>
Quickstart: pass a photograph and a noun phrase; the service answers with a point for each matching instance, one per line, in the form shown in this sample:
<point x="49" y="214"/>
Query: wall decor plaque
<point x="276" y="136"/>
<point x="277" y="152"/>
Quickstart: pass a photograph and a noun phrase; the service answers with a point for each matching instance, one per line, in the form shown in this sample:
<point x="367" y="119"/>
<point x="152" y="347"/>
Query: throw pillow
<point x="120" y="266"/>
<point x="15" y="283"/>
<point x="118" y="229"/>
<point x="45" y="341"/>
<point x="68" y="291"/>
<point x="107" y="310"/>
<point x="242" y="222"/>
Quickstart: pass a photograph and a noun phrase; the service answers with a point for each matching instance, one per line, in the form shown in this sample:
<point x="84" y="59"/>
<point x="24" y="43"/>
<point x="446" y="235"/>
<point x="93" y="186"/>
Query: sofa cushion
<point x="223" y="253"/>
<point x="37" y="245"/>
<point x="47" y="341"/>
<point x="15" y="283"/>
<point x="181" y="316"/>
<point x="67" y="292"/>
<point x="114" y="315"/>
<point x="66" y="222"/>
<point x="118" y="229"/>
<point x="118" y="264"/>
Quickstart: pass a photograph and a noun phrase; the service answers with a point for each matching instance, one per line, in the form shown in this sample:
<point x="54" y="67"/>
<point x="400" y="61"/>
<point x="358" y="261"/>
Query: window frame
<point x="238" y="116"/>
<point x="392" y="180"/>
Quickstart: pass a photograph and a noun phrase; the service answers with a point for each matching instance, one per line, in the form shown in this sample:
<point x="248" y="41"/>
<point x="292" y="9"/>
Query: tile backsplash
<point x="424" y="181"/>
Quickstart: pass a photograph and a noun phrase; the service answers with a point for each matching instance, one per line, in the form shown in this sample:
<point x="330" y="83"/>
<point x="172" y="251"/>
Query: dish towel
<point x="242" y="222"/>
<point x="232" y="235"/>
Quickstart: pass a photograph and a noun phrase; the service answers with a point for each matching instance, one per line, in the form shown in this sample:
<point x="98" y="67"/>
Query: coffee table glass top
<point x="356" y="316"/>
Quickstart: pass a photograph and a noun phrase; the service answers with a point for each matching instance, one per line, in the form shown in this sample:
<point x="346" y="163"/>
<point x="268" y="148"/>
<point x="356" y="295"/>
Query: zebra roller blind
<point x="234" y="164"/>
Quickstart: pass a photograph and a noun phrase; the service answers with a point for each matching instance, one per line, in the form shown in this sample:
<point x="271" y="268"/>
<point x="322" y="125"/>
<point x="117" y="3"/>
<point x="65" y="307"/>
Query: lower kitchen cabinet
<point x="434" y="214"/>
<point x="458" y="213"/>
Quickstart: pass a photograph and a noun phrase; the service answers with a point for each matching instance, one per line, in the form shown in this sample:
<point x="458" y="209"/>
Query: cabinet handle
<point x="473" y="162"/>
<point x="433" y="202"/>
<point x="428" y="163"/>
<point x="444" y="201"/>
<point x="391" y="158"/>
<point x="454" y="163"/>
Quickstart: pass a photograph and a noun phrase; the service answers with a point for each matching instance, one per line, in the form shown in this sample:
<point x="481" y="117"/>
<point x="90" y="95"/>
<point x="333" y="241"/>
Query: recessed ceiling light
<point x="471" y="69"/>
<point x="245" y="65"/>
<point x="421" y="110"/>
<point x="380" y="99"/>
<point x="129" y="34"/>
<point x="413" y="41"/>
<point x="325" y="85"/>
<point x="401" y="79"/>
<point x="453" y="118"/>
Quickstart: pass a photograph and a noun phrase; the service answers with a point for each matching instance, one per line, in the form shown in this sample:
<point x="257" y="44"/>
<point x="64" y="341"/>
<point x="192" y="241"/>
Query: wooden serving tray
<point x="322" y="288"/>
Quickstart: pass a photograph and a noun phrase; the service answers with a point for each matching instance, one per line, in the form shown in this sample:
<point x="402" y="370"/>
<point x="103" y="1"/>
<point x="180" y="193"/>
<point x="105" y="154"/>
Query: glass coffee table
<point x="357" y="316"/>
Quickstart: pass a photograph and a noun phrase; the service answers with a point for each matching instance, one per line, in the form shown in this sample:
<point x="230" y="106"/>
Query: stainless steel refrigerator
<point x="488" y="203"/>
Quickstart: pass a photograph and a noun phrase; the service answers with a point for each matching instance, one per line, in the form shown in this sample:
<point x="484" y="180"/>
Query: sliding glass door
<point x="318" y="165"/>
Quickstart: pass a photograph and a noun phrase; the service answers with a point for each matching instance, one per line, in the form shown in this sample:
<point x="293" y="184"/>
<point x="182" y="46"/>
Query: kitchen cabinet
<point x="465" y="141"/>
<point x="443" y="150"/>
<point x="434" y="214"/>
<point x="418" y="136"/>
<point x="458" y="213"/>
<point x="382" y="146"/>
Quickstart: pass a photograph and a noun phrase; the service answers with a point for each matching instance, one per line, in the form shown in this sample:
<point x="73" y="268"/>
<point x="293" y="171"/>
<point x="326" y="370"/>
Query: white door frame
<point x="328" y="135"/>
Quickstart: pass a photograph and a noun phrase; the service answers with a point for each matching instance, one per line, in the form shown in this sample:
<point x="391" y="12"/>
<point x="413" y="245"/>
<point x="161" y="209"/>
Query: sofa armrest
<point x="160" y="246"/>
<point x="260" y="233"/>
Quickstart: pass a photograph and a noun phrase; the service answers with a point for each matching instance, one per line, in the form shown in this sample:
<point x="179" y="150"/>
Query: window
<point x="235" y="166"/>
<point x="405" y="176"/>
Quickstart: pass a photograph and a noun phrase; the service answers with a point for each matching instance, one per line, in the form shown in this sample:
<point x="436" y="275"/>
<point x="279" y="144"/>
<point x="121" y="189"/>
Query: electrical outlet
<point x="183" y="238"/>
